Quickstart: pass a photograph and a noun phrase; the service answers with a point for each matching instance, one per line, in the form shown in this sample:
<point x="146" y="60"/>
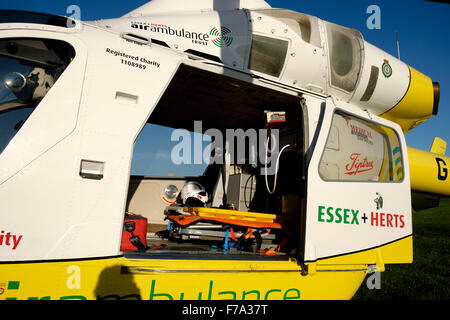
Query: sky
<point x="423" y="28"/>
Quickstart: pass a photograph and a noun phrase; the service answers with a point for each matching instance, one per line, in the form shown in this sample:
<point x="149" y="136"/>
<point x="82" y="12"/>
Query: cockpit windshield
<point x="18" y="16"/>
<point x="29" y="67"/>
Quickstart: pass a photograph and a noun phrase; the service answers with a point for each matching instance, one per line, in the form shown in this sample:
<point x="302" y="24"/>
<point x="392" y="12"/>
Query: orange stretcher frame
<point x="229" y="217"/>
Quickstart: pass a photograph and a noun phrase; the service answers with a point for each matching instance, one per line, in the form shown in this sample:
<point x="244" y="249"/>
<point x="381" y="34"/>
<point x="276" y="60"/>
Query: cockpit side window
<point x="29" y="67"/>
<point x="268" y="55"/>
<point x="345" y="48"/>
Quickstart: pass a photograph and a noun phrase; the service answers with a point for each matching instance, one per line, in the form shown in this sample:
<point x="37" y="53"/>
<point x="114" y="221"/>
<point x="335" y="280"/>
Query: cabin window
<point x="29" y="68"/>
<point x="345" y="51"/>
<point x="267" y="55"/>
<point x="359" y="150"/>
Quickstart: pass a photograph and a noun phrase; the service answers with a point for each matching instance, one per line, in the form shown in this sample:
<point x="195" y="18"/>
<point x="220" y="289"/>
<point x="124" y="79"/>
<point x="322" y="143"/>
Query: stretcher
<point x="247" y="226"/>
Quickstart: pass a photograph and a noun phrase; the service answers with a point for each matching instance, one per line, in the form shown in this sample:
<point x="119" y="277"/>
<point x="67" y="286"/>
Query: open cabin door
<point x="358" y="194"/>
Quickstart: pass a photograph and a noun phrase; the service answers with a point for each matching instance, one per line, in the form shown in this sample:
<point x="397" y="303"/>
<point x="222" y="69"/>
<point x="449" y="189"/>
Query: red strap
<point x="233" y="236"/>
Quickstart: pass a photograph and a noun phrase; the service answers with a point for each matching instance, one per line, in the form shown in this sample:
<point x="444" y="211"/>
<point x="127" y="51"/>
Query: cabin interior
<point x="161" y="188"/>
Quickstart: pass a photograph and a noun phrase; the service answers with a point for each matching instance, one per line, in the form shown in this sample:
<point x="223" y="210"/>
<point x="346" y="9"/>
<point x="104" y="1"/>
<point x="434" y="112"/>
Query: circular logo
<point x="222" y="37"/>
<point x="387" y="69"/>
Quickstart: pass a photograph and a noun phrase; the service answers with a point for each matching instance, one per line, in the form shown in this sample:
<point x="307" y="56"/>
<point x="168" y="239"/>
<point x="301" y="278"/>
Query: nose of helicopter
<point x="418" y="104"/>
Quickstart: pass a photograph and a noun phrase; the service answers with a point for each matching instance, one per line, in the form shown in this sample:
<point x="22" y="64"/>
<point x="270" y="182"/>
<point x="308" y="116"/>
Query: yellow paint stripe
<point x="399" y="251"/>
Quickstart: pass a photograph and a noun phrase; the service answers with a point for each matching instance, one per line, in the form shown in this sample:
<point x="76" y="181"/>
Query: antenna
<point x="398" y="45"/>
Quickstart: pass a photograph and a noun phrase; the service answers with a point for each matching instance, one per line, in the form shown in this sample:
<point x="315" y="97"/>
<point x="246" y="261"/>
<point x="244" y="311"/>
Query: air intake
<point x="437" y="94"/>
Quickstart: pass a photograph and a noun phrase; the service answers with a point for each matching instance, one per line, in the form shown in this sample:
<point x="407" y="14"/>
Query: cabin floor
<point x="160" y="246"/>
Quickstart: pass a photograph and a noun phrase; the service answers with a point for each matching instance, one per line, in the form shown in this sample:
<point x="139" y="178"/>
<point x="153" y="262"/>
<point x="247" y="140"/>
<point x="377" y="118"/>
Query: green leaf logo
<point x="221" y="37"/>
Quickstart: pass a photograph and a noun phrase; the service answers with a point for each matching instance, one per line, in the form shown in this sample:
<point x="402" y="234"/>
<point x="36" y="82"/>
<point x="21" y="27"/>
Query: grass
<point x="428" y="277"/>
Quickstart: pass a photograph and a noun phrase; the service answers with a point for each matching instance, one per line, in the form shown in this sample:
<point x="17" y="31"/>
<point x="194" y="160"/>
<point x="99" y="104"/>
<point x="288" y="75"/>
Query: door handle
<point x="93" y="170"/>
